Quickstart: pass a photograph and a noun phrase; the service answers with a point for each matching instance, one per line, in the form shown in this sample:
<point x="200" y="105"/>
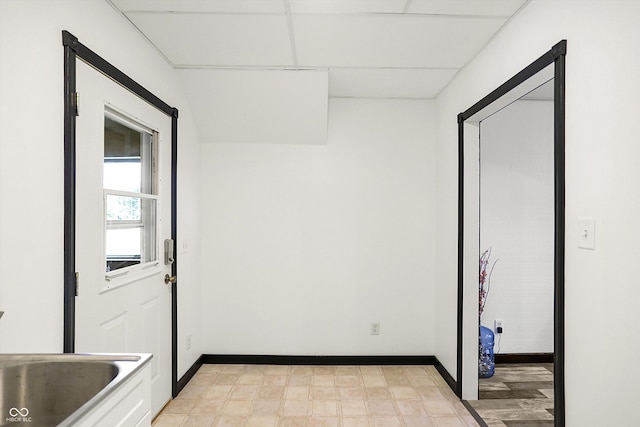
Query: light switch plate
<point x="587" y="233"/>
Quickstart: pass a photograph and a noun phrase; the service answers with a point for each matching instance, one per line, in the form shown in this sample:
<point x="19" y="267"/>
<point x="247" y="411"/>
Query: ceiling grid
<point x="292" y="38"/>
<point x="370" y="48"/>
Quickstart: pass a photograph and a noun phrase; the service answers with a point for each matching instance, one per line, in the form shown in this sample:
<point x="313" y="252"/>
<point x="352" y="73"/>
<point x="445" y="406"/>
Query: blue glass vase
<point x="486" y="360"/>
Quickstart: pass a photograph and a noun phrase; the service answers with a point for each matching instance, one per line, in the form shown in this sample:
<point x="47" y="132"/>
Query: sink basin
<point x="51" y="391"/>
<point x="55" y="390"/>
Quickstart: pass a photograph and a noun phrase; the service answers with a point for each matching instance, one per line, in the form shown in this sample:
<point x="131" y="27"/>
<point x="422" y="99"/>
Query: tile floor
<point x="336" y="396"/>
<point x="518" y="395"/>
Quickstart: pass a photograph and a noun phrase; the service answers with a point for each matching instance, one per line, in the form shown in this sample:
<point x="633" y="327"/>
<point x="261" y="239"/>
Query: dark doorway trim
<point x="73" y="50"/>
<point x="556" y="55"/>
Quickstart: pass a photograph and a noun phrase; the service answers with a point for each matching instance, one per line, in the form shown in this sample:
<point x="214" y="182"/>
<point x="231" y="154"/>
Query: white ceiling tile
<point x="373" y="48"/>
<point x="210" y="39"/>
<point x="390" y="40"/>
<point x="228" y="6"/>
<point x="388" y="82"/>
<point x="348" y="6"/>
<point x="466" y="7"/>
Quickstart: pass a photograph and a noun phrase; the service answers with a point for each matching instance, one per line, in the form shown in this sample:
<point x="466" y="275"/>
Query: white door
<point x="123" y="208"/>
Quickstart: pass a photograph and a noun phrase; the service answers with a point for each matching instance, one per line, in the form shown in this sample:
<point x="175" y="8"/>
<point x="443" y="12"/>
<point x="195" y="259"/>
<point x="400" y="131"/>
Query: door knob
<point x="169" y="279"/>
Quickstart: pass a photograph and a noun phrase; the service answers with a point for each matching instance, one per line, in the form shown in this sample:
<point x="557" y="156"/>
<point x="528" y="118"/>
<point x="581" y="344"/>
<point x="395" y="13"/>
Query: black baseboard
<point x="524" y="358"/>
<point x="251" y="359"/>
<point x="474" y="414"/>
<point x="451" y="382"/>
<point x="188" y="375"/>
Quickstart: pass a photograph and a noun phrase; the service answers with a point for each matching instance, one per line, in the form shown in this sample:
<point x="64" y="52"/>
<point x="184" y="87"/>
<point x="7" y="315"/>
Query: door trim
<point x="556" y="56"/>
<point x="73" y="50"/>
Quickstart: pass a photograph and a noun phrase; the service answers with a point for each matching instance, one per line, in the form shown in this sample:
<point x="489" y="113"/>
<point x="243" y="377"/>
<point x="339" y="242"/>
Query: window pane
<point x="123" y="243"/>
<point x="123" y="208"/>
<point x="123" y="248"/>
<point x="122" y="175"/>
<point x="131" y="239"/>
<point x="127" y="157"/>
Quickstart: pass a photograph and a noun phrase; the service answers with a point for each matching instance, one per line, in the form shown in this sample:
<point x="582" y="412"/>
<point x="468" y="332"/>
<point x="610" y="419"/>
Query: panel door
<point x="123" y="200"/>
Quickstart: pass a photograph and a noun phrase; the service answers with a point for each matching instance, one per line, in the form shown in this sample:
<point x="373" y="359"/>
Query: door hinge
<point x="76" y="284"/>
<point x="75" y="103"/>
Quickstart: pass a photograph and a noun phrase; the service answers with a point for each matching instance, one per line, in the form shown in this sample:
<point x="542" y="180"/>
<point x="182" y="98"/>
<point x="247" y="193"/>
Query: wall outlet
<point x="498" y="326"/>
<point x="375" y="328"/>
<point x="188" y="341"/>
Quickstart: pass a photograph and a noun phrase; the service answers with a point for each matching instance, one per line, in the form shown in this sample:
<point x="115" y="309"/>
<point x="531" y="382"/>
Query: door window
<point x="130" y="199"/>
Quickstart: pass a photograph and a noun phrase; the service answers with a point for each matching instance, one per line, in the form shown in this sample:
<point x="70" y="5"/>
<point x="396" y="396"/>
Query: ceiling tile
<point x="466" y="7"/>
<point x="348" y="6"/>
<point x="373" y="48"/>
<point x="229" y="6"/>
<point x="212" y="39"/>
<point x="388" y="82"/>
<point x="390" y="40"/>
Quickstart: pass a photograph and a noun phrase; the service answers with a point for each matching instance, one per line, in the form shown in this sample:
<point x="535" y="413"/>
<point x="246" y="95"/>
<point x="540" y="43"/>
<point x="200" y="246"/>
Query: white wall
<point x="31" y="163"/>
<point x="259" y="106"/>
<point x="517" y="223"/>
<point x="603" y="100"/>
<point x="305" y="246"/>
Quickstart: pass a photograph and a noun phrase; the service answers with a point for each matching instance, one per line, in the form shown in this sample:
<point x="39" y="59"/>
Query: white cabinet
<point x="129" y="405"/>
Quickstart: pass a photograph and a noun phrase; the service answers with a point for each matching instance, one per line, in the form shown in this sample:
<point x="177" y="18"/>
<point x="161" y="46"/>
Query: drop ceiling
<point x="370" y="48"/>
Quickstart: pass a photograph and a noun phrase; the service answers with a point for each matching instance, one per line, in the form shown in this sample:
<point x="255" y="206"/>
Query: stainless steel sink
<point x="54" y="390"/>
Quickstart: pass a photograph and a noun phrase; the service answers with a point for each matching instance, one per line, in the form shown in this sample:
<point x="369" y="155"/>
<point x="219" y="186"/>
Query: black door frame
<point x="556" y="55"/>
<point x="73" y="50"/>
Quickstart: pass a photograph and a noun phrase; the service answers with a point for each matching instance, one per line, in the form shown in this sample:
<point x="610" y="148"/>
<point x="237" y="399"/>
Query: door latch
<point x="168" y="252"/>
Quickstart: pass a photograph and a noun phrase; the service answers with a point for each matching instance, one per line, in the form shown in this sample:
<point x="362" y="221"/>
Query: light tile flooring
<point x="336" y="396"/>
<point x="518" y="395"/>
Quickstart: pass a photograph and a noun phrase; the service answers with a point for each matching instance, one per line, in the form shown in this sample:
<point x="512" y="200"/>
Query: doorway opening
<point x="73" y="51"/>
<point x="516" y="236"/>
<point x="549" y="68"/>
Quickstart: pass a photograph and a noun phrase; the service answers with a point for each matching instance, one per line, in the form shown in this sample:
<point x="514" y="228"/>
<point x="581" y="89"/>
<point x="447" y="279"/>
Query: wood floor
<point x="518" y="395"/>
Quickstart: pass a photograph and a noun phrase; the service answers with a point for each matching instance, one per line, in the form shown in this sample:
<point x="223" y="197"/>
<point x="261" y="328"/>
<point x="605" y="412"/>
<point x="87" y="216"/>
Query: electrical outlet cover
<point x="587" y="233"/>
<point x="375" y="328"/>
